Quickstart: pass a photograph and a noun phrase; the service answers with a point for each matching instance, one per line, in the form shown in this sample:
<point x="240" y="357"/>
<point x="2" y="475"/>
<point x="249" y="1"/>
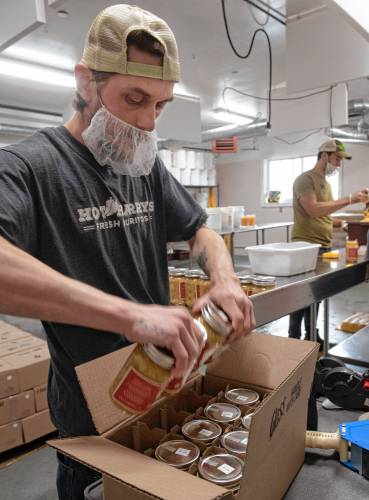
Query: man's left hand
<point x="229" y="296"/>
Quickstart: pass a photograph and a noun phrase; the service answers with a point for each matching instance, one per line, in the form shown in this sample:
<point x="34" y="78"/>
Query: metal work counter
<point x="303" y="290"/>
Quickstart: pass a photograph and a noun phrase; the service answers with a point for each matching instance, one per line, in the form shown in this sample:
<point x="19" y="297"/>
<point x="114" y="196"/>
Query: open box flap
<point x="95" y="378"/>
<point x="137" y="470"/>
<point x="276" y="444"/>
<point x="264" y="360"/>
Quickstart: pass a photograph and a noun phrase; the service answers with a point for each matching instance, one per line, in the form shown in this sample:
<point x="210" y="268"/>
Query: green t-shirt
<point x="306" y="228"/>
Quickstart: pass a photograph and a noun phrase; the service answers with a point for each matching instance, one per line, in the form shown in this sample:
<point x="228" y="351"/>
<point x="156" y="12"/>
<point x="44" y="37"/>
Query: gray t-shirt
<point x="110" y="231"/>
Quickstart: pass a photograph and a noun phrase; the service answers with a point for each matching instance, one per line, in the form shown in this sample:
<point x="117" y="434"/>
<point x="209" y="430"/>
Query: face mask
<point x="127" y="149"/>
<point x="330" y="170"/>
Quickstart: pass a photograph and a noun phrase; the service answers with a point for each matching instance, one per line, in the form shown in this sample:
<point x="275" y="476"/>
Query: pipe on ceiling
<point x="347" y="133"/>
<point x="16" y="130"/>
<point x="252" y="130"/>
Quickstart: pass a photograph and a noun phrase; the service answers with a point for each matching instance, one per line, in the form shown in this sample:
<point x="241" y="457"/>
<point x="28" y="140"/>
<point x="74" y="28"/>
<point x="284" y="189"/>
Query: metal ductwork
<point x="347" y="133"/>
<point x="360" y="108"/>
<point x="16" y="130"/>
<point x="255" y="129"/>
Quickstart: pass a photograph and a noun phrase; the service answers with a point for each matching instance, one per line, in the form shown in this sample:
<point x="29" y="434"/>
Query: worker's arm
<point x="212" y="255"/>
<point x="30" y="288"/>
<point x="315" y="208"/>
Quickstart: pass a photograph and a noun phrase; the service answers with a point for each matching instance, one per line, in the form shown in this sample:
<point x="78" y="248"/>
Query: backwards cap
<point x="106" y="43"/>
<point x="334" y="146"/>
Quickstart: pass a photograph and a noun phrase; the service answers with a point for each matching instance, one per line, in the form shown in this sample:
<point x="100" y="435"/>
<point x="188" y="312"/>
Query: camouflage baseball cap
<point x="335" y="146"/>
<point x="106" y="43"/>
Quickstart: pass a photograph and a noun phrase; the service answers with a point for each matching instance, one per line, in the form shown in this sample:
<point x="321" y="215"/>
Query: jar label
<point x="175" y="384"/>
<point x="182" y="290"/>
<point x="205" y="432"/>
<point x="242" y="398"/>
<point x="227" y="469"/>
<point x="227" y="414"/>
<point x="183" y="452"/>
<point x="352" y="252"/>
<point x="136" y="392"/>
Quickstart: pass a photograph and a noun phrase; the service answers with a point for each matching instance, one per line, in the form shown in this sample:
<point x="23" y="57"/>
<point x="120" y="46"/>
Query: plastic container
<point x="283" y="259"/>
<point x="227" y="218"/>
<point x="223" y="413"/>
<point x="214" y="220"/>
<point x="242" y="397"/>
<point x="223" y="469"/>
<point x="235" y="442"/>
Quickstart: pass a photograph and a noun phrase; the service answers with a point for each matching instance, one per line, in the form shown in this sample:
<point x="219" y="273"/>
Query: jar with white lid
<point x="223" y="469"/>
<point x="201" y="430"/>
<point x="178" y="453"/>
<point x="222" y="413"/>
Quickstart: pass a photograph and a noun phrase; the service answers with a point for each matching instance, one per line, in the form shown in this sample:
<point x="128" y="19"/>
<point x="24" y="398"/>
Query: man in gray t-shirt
<point x="86" y="211"/>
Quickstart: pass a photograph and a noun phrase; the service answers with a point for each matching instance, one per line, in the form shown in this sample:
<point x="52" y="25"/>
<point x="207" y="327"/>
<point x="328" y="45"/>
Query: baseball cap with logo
<point x="335" y="146"/>
<point x="106" y="43"/>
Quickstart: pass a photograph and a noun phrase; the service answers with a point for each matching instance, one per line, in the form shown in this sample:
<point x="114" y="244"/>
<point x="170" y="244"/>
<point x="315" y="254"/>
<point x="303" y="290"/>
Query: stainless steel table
<point x="306" y="290"/>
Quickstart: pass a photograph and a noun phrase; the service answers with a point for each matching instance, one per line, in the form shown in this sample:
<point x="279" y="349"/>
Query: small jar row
<point x="187" y="285"/>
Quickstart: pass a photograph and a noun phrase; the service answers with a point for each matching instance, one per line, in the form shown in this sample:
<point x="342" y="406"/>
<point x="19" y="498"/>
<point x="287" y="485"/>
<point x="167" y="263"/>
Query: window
<point x="279" y="175"/>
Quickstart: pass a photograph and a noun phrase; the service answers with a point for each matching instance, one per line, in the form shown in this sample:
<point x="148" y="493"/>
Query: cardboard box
<point x="24" y="370"/>
<point x="10" y="436"/>
<point x="41" y="397"/>
<point x="36" y="426"/>
<point x="8" y="379"/>
<point x="10" y="332"/>
<point x="17" y="407"/>
<point x="279" y="368"/>
<point x="20" y="345"/>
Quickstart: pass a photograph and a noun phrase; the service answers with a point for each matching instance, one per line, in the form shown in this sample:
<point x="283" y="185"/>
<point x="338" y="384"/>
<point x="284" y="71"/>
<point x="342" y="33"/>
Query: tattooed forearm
<point x="203" y="261"/>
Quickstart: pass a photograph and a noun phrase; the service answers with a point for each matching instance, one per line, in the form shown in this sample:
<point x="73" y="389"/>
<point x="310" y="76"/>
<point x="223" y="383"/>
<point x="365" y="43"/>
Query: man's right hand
<point x="361" y="196"/>
<point x="167" y="326"/>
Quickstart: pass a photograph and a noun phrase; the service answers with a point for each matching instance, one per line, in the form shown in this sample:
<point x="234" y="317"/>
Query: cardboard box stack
<point x="24" y="366"/>
<point x="279" y="369"/>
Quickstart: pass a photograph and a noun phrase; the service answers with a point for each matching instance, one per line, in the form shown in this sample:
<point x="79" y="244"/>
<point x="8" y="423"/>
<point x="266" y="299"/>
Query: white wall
<point x="240" y="179"/>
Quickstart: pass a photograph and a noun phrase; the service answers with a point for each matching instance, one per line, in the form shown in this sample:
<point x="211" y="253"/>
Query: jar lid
<point x="242" y="396"/>
<point x="201" y="430"/>
<point x="177" y="453"/>
<point x="235" y="441"/>
<point x="217" y="319"/>
<point x="193" y="273"/>
<point x="245" y="280"/>
<point x="177" y="272"/>
<point x="222" y="468"/>
<point x="264" y="280"/>
<point x="222" y="412"/>
<point x="159" y="355"/>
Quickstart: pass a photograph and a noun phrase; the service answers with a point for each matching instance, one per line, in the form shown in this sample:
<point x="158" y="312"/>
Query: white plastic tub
<point x="283" y="259"/>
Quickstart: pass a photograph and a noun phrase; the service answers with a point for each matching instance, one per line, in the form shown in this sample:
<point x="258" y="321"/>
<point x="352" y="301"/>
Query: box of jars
<point x="234" y="432"/>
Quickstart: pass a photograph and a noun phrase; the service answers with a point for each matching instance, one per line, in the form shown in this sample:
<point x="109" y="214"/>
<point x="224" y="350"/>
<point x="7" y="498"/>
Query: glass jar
<point x="352" y="250"/>
<point x="177" y="286"/>
<point x="235" y="442"/>
<point x="246" y="285"/>
<point x="222" y="413"/>
<point x="192" y="287"/>
<point x="204" y="284"/>
<point x="263" y="283"/>
<point x="218" y="328"/>
<point x="177" y="453"/>
<point x="176" y="383"/>
<point x="142" y="379"/>
<point x="204" y="431"/>
<point x="223" y="469"/>
<point x="242" y="397"/>
<point x="246" y="420"/>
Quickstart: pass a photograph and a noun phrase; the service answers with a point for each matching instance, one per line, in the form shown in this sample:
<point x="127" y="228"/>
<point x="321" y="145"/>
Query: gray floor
<point x="31" y="476"/>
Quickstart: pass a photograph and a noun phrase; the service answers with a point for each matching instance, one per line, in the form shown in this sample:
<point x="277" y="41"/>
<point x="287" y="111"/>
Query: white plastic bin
<point x="283" y="259"/>
<point x="214" y="220"/>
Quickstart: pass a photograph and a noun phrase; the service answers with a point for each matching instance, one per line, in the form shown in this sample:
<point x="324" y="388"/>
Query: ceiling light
<point x="36" y="73"/>
<point x="225" y="115"/>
